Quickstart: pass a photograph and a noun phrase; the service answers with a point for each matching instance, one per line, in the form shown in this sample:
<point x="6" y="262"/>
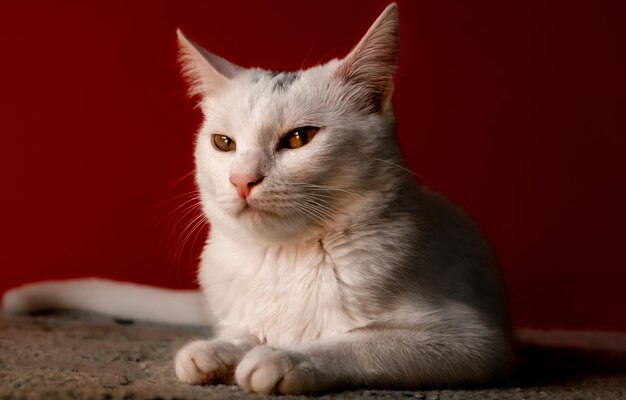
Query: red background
<point x="514" y="110"/>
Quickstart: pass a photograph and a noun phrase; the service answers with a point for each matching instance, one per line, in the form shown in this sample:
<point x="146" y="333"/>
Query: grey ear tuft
<point x="205" y="72"/>
<point x="373" y="62"/>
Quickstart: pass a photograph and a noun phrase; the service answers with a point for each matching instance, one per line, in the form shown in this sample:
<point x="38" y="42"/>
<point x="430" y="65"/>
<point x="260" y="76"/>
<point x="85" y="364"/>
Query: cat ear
<point x="205" y="71"/>
<point x="373" y="62"/>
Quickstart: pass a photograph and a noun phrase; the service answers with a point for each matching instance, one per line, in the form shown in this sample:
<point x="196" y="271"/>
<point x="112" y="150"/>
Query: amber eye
<point x="298" y="137"/>
<point x="224" y="143"/>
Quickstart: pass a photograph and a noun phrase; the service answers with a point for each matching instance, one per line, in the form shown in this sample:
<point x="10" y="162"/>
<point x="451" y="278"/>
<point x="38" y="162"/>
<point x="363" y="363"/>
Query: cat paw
<point x="207" y="361"/>
<point x="266" y="370"/>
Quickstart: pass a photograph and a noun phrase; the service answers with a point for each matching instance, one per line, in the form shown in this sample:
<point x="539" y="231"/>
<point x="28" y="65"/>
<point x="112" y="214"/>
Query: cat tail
<point x="117" y="299"/>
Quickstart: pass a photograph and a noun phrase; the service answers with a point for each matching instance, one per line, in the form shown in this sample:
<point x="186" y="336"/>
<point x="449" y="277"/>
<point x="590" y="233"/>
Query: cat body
<point x="327" y="266"/>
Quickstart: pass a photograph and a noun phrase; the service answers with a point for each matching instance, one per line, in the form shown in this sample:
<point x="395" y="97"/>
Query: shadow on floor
<point x="549" y="365"/>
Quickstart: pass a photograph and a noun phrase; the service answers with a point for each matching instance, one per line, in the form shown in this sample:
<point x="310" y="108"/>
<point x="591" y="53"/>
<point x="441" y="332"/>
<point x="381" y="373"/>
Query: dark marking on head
<point x="282" y="80"/>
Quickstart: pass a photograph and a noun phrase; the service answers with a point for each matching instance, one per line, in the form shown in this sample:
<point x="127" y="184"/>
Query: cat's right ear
<point x="205" y="72"/>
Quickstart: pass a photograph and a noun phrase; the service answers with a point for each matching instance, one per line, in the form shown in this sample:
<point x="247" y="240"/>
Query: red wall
<point x="514" y="110"/>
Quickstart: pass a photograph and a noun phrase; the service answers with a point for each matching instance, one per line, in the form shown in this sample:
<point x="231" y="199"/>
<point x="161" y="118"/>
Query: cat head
<point x="283" y="155"/>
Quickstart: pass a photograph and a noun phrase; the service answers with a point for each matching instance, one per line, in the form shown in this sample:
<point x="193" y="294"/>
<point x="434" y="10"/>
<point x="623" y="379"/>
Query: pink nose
<point x="245" y="183"/>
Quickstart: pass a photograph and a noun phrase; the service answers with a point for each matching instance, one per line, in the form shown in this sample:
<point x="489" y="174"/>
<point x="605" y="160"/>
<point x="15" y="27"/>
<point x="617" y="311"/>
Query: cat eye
<point x="224" y="143"/>
<point x="298" y="137"/>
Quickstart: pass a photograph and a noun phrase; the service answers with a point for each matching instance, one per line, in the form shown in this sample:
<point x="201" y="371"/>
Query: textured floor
<point x="73" y="356"/>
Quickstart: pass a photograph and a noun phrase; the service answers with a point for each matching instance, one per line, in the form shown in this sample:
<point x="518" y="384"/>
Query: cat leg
<point x="379" y="357"/>
<point x="213" y="361"/>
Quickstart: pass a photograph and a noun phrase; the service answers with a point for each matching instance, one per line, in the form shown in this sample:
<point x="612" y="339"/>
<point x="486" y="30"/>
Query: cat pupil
<point x="295" y="140"/>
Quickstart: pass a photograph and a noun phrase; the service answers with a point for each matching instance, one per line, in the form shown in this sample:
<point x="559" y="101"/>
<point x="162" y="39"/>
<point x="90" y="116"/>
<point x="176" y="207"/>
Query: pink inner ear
<point x="202" y="69"/>
<point x="221" y="65"/>
<point x="372" y="63"/>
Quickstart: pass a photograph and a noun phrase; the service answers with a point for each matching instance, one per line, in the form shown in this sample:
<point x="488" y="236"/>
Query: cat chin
<point x="255" y="215"/>
<point x="273" y="228"/>
<point x="243" y="221"/>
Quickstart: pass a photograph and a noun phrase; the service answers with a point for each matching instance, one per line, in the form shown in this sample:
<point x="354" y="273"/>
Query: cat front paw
<point x="266" y="370"/>
<point x="207" y="362"/>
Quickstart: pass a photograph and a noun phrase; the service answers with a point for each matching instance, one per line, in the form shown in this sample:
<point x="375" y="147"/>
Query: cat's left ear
<point x="373" y="62"/>
<point x="205" y="71"/>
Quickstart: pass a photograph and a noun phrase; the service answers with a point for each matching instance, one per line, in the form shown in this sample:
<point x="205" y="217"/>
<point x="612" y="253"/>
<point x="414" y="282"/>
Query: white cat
<point x="327" y="267"/>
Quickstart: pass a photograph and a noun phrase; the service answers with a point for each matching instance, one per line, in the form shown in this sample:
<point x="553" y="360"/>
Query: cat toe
<point x="266" y="370"/>
<point x="207" y="362"/>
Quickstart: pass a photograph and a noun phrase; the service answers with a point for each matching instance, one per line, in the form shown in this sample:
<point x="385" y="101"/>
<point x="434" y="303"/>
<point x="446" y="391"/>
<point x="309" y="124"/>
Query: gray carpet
<point x="78" y="356"/>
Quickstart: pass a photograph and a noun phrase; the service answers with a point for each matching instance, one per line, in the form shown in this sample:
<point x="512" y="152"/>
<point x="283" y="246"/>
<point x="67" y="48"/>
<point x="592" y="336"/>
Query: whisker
<point x="177" y="197"/>
<point x="193" y="202"/>
<point x="317" y="213"/>
<point x="309" y="52"/>
<point x="320" y="199"/>
<point x="190" y="209"/>
<point x="173" y="185"/>
<point x="176" y="235"/>
<point x="401" y="167"/>
<point x="325" y="188"/>
<point x="169" y="233"/>
<point x="189" y="230"/>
